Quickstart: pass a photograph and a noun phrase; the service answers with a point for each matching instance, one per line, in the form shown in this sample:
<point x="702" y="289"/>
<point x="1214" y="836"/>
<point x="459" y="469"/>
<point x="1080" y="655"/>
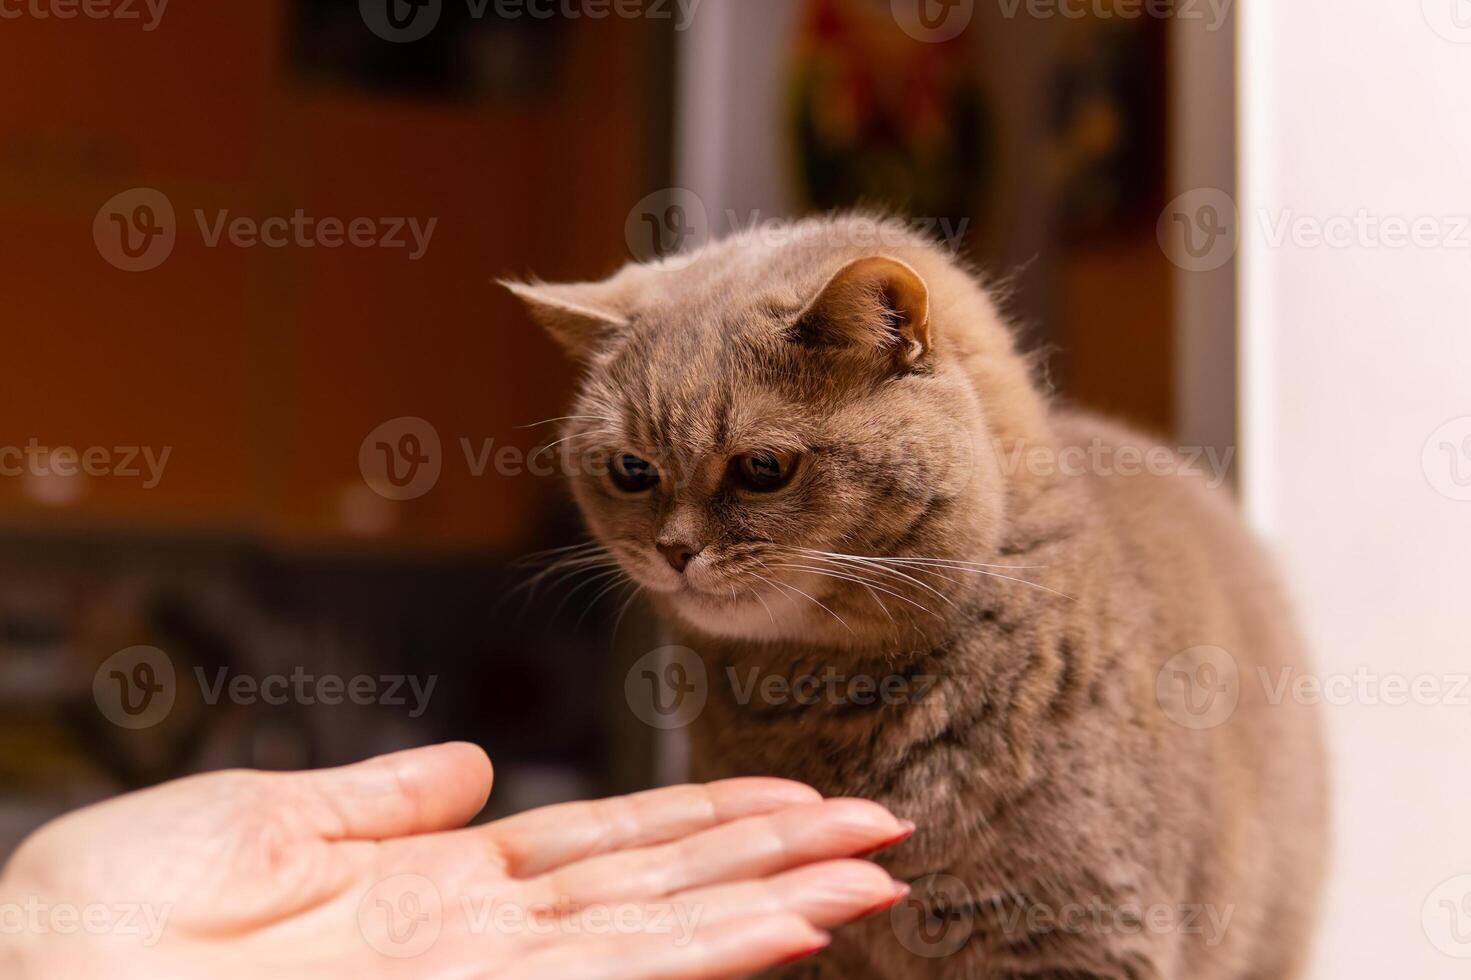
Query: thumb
<point x="417" y="791"/>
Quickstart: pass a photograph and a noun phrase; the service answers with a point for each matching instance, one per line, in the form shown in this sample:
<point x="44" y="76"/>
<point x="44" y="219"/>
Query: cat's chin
<point x="724" y="616"/>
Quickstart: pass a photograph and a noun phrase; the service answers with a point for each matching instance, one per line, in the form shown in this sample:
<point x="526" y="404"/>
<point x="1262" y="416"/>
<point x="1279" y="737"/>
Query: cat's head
<point x="755" y="423"/>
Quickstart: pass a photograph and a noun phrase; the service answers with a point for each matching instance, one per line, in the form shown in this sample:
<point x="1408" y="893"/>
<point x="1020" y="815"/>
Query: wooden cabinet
<point x="260" y="370"/>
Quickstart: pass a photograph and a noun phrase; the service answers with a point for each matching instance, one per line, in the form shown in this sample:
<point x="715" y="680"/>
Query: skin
<point x="1026" y="618"/>
<point x="279" y="874"/>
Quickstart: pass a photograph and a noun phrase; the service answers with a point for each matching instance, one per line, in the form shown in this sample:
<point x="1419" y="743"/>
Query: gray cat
<point x="912" y="579"/>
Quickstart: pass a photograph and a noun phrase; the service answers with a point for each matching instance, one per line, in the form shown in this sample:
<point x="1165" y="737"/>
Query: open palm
<point x="369" y="871"/>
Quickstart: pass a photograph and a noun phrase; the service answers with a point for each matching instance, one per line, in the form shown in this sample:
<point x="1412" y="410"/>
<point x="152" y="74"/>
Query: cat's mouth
<point x="706" y="588"/>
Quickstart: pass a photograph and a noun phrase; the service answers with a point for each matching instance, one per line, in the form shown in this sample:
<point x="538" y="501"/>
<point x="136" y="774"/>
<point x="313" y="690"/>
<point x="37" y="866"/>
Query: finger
<point x="827" y="895"/>
<point x="439" y="787"/>
<point x="730" y="948"/>
<point x="538" y="841"/>
<point x="749" y="848"/>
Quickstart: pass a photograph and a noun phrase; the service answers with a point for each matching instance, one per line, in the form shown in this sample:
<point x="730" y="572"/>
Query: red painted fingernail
<point x="900" y="891"/>
<point x="826" y="940"/>
<point x="906" y="833"/>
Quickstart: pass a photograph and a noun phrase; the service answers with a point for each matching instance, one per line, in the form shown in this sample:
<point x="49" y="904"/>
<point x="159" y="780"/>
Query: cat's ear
<point x="877" y="304"/>
<point x="578" y="316"/>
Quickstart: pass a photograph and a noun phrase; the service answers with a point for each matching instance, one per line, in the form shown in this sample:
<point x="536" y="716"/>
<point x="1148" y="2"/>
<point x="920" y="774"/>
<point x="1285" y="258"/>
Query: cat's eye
<point x="632" y="474"/>
<point x="763" y="472"/>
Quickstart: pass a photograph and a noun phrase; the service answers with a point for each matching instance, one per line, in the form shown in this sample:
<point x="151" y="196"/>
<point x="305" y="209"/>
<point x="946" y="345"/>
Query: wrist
<point x="20" y="948"/>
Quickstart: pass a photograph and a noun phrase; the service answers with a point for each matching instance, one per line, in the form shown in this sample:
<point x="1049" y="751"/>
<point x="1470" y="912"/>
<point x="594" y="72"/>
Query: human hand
<point x="369" y="870"/>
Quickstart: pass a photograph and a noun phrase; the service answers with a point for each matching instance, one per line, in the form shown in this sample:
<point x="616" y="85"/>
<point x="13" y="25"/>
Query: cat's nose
<point x="679" y="554"/>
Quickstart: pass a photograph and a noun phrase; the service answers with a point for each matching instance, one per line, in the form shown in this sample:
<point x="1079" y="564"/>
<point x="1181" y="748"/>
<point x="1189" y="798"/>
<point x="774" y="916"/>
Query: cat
<point x="911" y="577"/>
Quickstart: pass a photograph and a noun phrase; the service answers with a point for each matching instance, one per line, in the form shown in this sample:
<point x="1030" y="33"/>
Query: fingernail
<point x="900" y="891"/>
<point x="906" y="831"/>
<point x="822" y="944"/>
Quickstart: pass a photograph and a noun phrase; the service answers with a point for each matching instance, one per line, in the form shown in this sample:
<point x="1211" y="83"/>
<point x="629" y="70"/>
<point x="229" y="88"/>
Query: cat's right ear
<point x="877" y="305"/>
<point x="578" y="316"/>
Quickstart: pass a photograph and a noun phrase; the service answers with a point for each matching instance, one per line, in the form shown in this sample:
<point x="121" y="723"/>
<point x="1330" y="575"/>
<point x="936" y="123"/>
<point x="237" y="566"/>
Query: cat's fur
<point x="1029" y="733"/>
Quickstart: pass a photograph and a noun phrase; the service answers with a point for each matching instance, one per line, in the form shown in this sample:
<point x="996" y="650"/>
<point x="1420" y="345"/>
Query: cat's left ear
<point x="578" y="316"/>
<point x="878" y="304"/>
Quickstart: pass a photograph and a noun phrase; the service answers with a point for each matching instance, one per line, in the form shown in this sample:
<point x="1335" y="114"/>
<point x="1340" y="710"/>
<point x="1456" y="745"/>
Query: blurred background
<point x="265" y="413"/>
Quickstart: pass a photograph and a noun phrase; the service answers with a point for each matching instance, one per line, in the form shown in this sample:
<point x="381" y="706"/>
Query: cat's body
<point x="1042" y="681"/>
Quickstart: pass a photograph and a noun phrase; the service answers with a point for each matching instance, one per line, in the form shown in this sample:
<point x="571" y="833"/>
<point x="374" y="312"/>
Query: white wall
<point x="1352" y="358"/>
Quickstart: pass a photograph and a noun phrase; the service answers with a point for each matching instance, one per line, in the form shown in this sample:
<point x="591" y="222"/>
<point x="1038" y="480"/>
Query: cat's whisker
<point x="1008" y="578"/>
<point x="783" y="585"/>
<point x="599" y="577"/>
<point x="920" y="563"/>
<point x="561" y="570"/>
<point x="617" y="583"/>
<point x="878" y="565"/>
<point x="769" y="614"/>
<point x="905" y="559"/>
<point x="569" y="418"/>
<point x="561" y="563"/>
<point x="843" y="576"/>
<point x="536" y="557"/>
<point x="856" y="580"/>
<point x="576" y="435"/>
<point x="623" y="610"/>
